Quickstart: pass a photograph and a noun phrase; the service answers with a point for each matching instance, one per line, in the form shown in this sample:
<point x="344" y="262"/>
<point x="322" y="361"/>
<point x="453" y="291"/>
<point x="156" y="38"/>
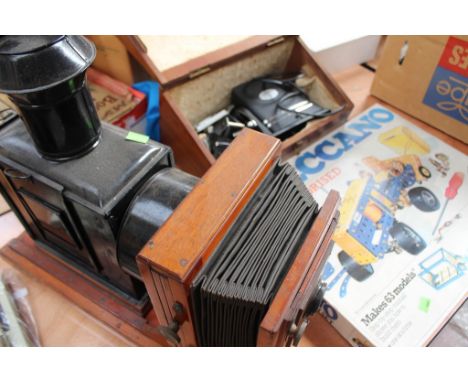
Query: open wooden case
<point x="202" y="86"/>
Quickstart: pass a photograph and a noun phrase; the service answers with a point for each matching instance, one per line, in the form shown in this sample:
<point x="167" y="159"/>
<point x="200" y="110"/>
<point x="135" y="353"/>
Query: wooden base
<point x="97" y="301"/>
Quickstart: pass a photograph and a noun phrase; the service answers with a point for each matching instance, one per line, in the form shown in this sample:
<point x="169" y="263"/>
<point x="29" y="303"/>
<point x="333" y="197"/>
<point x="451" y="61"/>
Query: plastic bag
<point x="17" y="324"/>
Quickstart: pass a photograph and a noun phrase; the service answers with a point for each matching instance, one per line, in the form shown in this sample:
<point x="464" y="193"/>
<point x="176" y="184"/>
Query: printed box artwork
<point x="427" y="78"/>
<point x="399" y="267"/>
<point x="448" y="89"/>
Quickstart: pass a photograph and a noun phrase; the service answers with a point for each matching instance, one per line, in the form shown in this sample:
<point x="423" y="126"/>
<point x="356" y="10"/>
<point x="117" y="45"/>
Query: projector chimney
<point x="44" y="76"/>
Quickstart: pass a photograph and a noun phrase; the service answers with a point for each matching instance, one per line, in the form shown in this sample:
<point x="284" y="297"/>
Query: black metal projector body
<point x="79" y="207"/>
<point x="80" y="189"/>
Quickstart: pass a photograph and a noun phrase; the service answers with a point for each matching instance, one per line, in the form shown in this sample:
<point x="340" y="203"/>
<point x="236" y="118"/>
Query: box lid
<point x="217" y="51"/>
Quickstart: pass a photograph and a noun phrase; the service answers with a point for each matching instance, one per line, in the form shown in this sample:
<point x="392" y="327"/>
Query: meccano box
<point x="399" y="267"/>
<point x="427" y="77"/>
<point x="202" y="86"/>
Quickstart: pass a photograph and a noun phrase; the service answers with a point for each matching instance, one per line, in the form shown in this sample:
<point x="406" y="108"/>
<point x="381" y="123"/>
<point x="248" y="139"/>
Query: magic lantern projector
<point x="233" y="258"/>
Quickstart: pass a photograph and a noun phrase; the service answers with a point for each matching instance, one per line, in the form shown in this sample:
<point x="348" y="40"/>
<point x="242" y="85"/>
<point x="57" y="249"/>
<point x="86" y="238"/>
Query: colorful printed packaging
<point x="427" y="77"/>
<point x="399" y="267"/>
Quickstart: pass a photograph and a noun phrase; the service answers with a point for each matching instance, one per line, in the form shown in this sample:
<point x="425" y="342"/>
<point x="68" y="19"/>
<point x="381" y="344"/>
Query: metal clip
<point x="275" y="41"/>
<point x="199" y="72"/>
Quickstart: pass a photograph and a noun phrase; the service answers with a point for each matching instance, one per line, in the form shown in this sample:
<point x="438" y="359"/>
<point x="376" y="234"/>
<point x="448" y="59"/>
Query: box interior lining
<point x="209" y="93"/>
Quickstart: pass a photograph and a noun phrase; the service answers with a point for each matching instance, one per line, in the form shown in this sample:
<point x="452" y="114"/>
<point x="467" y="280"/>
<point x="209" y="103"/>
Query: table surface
<point x="61" y="323"/>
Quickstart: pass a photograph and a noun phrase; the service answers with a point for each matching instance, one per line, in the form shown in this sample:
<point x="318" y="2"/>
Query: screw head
<point x="183" y="262"/>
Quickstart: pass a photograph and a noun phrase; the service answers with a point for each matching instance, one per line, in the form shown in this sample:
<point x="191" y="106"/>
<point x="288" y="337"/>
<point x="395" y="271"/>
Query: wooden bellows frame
<point x="177" y="252"/>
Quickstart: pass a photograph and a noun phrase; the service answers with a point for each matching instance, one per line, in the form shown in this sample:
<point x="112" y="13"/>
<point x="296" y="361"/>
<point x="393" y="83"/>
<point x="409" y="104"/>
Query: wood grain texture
<point x="139" y="52"/>
<point x="176" y="253"/>
<point x="182" y="72"/>
<point x="191" y="155"/>
<point x="201" y="220"/>
<point x="214" y="59"/>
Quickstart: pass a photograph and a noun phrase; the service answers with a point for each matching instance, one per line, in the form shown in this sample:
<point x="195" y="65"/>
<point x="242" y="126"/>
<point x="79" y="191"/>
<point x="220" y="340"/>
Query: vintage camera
<point x="224" y="260"/>
<point x="273" y="105"/>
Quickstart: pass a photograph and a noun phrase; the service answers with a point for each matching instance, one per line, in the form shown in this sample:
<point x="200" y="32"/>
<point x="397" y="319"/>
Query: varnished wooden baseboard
<point x="95" y="300"/>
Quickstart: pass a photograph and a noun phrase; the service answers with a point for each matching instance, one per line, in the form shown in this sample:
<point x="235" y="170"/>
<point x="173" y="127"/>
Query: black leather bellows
<point x="232" y="293"/>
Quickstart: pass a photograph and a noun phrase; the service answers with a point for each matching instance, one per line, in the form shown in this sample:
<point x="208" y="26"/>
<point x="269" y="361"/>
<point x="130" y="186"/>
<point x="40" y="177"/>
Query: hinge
<point x="199" y="72"/>
<point x="275" y="41"/>
<point x="140" y="45"/>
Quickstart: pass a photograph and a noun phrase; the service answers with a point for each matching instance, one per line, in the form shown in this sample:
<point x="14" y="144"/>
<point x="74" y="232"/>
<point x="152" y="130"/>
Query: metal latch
<point x="275" y="41"/>
<point x="199" y="72"/>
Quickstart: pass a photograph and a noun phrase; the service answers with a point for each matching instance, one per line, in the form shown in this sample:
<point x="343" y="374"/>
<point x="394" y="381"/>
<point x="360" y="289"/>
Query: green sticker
<point x="424" y="304"/>
<point x="136" y="137"/>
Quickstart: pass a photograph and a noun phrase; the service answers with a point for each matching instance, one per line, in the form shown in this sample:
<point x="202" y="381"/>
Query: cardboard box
<point x="202" y="86"/>
<point x="396" y="273"/>
<point x="338" y="53"/>
<point x="116" y="102"/>
<point x="427" y="77"/>
<point x="112" y="58"/>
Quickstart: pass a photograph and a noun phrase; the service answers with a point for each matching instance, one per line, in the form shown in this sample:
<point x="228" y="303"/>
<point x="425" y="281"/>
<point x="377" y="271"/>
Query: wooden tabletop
<point x="61" y="323"/>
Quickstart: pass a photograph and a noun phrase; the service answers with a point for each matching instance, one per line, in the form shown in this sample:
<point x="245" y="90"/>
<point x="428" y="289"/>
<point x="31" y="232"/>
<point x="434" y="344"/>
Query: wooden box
<point x="202" y="86"/>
